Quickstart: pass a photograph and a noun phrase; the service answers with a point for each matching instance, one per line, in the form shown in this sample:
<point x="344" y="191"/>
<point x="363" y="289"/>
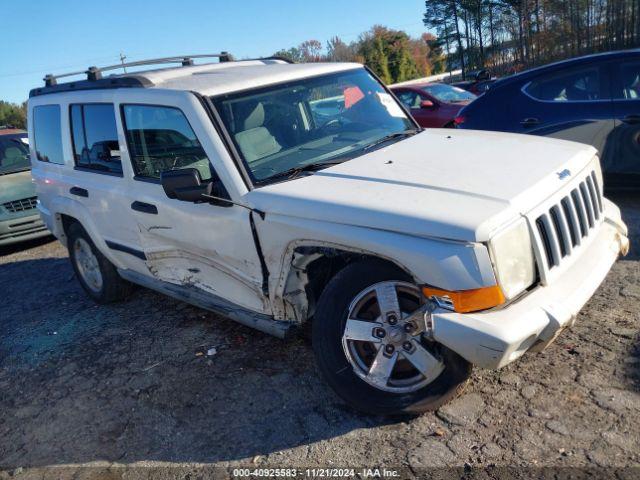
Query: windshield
<point x="448" y="94"/>
<point x="328" y="118"/>
<point x="14" y="153"/>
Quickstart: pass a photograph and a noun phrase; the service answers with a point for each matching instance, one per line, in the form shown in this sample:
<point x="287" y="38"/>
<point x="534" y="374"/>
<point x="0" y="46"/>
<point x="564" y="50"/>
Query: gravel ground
<point x="132" y="383"/>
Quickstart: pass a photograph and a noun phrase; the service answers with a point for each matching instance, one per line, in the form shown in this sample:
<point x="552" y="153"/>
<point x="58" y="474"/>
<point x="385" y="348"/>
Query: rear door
<point x="75" y="154"/>
<point x="622" y="167"/>
<point x="98" y="181"/>
<point x="570" y="104"/>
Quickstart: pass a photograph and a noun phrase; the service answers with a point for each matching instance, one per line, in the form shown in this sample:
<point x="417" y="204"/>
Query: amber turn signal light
<point x="465" y="301"/>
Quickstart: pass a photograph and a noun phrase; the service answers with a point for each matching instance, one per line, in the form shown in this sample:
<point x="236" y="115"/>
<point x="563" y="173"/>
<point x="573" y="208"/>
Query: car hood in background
<point x="16" y="186"/>
<point x="458" y="104"/>
<point x="452" y="184"/>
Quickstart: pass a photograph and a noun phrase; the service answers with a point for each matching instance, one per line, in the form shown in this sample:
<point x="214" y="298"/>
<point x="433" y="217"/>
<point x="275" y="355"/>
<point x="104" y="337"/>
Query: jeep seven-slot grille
<point x="21" y="205"/>
<point x="565" y="225"/>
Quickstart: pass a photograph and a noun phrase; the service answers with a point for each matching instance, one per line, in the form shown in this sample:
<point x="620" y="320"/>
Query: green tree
<point x="294" y="54"/>
<point x="12" y="114"/>
<point x="436" y="57"/>
<point x="307" y="51"/>
<point x="388" y="53"/>
<point x="402" y="64"/>
<point x="371" y="48"/>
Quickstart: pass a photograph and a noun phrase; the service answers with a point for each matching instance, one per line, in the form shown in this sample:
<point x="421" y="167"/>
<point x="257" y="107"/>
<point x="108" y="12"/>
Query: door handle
<point x="80" y="192"/>
<point x="144" y="208"/>
<point x="530" y="122"/>
<point x="631" y="119"/>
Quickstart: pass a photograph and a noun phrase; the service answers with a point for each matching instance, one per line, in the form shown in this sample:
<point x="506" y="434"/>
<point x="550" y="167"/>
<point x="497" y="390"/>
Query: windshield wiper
<point x="292" y="173"/>
<point x="391" y="136"/>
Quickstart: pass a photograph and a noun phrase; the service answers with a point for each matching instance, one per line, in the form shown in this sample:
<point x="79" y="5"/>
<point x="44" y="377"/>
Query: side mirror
<point x="184" y="184"/>
<point x="427" y="104"/>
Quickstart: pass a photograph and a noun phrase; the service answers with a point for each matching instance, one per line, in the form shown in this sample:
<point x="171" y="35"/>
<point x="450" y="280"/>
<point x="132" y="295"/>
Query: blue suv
<point x="593" y="99"/>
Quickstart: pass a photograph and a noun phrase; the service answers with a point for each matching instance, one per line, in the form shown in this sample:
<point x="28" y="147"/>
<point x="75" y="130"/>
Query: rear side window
<point x="95" y="138"/>
<point x="160" y="138"/>
<point x="47" y="134"/>
<point x="577" y="85"/>
<point x="629" y="79"/>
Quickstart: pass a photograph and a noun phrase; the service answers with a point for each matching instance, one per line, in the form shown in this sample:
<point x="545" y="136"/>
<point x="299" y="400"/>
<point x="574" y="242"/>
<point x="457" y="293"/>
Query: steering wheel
<point x="331" y="126"/>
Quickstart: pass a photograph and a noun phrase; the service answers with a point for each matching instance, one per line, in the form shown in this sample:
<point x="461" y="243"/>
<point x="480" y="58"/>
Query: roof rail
<point x="95" y="73"/>
<point x="277" y="57"/>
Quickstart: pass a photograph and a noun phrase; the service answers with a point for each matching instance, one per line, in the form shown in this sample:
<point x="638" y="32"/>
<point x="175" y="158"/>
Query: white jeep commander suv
<point x="280" y="194"/>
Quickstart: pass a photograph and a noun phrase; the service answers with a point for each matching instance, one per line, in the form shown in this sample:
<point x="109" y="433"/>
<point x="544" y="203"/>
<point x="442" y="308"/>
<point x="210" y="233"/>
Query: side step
<point x="213" y="303"/>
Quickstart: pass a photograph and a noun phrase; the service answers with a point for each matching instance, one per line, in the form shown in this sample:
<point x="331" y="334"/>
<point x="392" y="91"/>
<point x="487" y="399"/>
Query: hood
<point x="16" y="186"/>
<point x="453" y="184"/>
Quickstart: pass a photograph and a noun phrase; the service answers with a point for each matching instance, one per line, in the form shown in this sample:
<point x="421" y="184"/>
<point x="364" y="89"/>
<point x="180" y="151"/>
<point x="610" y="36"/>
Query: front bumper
<point x="493" y="339"/>
<point x="18" y="229"/>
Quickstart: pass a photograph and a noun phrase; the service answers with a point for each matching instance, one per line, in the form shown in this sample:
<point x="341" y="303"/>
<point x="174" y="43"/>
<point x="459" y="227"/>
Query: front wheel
<point x="371" y="354"/>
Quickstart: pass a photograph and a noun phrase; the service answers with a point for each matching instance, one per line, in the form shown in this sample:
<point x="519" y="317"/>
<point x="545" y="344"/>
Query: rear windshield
<point x="14" y="154"/>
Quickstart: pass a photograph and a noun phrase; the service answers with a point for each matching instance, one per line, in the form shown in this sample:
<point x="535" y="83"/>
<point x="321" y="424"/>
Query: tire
<point x="342" y="367"/>
<point x="85" y="257"/>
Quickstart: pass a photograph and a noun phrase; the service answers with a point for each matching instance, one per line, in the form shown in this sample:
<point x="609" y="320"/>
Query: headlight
<point x="512" y="254"/>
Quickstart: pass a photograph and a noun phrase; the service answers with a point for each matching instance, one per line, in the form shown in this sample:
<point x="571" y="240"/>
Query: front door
<point x="195" y="245"/>
<point x="622" y="169"/>
<point x="426" y="117"/>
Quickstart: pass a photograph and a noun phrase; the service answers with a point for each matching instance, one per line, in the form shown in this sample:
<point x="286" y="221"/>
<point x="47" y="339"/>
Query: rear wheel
<point x="372" y="354"/>
<point x="97" y="275"/>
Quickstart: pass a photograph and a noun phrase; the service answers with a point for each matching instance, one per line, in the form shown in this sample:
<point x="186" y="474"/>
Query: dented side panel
<point x="448" y="265"/>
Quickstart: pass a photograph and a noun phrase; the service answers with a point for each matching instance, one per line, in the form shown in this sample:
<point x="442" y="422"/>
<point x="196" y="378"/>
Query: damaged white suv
<point x="280" y="194"/>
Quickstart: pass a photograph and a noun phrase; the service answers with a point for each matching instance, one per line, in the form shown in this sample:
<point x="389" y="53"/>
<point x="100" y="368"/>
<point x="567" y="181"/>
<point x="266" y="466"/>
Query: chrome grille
<point x="21" y="205"/>
<point x="566" y="225"/>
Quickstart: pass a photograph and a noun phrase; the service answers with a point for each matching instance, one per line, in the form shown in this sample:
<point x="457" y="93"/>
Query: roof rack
<point x="95" y="73"/>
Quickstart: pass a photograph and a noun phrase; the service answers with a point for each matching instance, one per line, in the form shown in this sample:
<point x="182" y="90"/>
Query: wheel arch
<point x="67" y="212"/>
<point x="308" y="268"/>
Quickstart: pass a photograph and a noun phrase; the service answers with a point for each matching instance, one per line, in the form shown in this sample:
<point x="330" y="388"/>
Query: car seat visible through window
<point x="256" y="141"/>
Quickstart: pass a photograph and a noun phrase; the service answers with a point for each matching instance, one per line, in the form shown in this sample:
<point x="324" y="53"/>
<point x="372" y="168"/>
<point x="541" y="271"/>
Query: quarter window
<point x="160" y="138"/>
<point x="574" y="86"/>
<point x="47" y="134"/>
<point x="95" y="137"/>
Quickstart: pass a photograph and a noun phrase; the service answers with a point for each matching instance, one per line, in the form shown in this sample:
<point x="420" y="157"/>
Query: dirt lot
<point x="82" y="384"/>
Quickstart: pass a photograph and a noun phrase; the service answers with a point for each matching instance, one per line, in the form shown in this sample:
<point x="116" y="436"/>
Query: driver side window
<point x="409" y="99"/>
<point x="160" y="138"/>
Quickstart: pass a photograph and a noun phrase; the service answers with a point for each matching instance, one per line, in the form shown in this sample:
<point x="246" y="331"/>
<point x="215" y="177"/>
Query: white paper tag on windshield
<point x="390" y="104"/>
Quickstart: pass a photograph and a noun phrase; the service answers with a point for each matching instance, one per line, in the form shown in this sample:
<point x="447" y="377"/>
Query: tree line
<point x="511" y="35"/>
<point x="13" y="115"/>
<point x="505" y="36"/>
<point x="392" y="54"/>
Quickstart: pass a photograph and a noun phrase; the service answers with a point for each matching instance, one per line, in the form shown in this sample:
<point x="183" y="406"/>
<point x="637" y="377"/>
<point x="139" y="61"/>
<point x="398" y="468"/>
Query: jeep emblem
<point x="564" y="174"/>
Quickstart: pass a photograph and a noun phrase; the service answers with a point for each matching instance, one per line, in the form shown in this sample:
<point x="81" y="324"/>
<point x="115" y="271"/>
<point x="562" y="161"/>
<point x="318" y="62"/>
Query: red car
<point x="433" y="104"/>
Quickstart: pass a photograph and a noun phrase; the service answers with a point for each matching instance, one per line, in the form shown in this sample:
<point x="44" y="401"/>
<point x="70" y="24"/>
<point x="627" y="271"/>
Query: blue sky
<point x="44" y="36"/>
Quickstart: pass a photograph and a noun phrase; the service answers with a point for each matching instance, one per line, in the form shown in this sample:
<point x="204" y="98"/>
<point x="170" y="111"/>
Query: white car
<point x="280" y="194"/>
